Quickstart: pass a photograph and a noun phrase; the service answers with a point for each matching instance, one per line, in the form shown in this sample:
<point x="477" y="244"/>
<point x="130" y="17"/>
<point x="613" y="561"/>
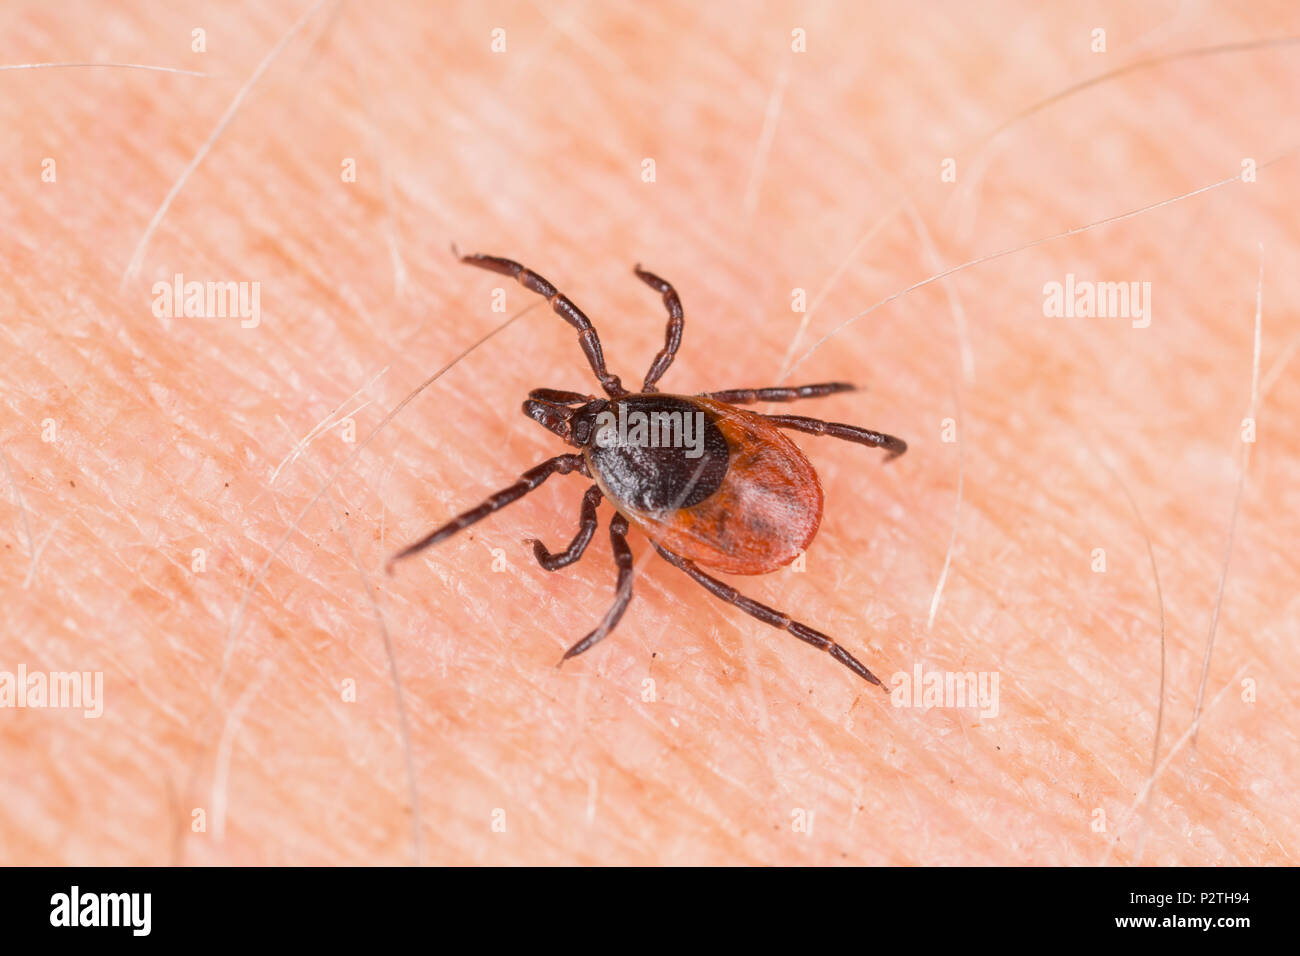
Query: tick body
<point x="748" y="504"/>
<point x="710" y="484"/>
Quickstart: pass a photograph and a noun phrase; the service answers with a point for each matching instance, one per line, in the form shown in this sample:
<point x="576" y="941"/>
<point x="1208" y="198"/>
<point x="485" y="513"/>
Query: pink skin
<point x="693" y="734"/>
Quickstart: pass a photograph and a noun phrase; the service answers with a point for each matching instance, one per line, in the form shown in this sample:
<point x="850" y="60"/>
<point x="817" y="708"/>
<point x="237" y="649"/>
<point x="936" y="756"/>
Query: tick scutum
<point x="658" y="453"/>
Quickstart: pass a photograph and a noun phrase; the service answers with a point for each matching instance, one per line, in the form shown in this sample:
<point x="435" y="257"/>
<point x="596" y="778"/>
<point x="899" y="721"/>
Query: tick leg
<point x="748" y="396"/>
<point x="562" y="464"/>
<point x="586" y="528"/>
<point x="771" y="616"/>
<point x="558" y="396"/>
<point x="863" y="436"/>
<point x="673" y="336"/>
<point x="623" y="590"/>
<point x="563" y="307"/>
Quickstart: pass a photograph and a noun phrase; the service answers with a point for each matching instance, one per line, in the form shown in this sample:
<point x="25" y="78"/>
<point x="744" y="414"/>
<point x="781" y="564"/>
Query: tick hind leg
<point x="862" y="436"/>
<point x="561" y="464"/>
<point x="673" y="335"/>
<point x="563" y="307"/>
<point x="586" y="528"/>
<point x="773" y="617"/>
<point x="622" y="591"/>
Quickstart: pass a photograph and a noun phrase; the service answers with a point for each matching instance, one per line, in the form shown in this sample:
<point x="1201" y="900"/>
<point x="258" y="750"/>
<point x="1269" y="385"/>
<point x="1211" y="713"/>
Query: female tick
<point x="711" y="485"/>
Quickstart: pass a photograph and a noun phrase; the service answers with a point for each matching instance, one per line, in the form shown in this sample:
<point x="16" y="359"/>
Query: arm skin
<point x="167" y="435"/>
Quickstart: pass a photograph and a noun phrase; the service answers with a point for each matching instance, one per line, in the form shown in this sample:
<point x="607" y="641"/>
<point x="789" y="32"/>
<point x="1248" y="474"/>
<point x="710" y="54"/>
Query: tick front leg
<point x="748" y="396"/>
<point x="586" y="528"/>
<point x="862" y="436"/>
<point x="563" y="307"/>
<point x="622" y="591"/>
<point x="562" y="464"/>
<point x="771" y="616"/>
<point x="559" y="396"/>
<point x="673" y="335"/>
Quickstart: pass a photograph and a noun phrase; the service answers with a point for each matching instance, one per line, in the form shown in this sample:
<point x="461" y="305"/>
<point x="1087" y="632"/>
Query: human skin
<point x="229" y="734"/>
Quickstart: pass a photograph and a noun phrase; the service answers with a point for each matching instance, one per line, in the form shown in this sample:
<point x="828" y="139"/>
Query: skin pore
<point x="160" y="515"/>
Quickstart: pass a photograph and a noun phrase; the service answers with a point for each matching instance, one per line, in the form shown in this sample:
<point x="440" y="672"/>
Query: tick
<point x="710" y="484"/>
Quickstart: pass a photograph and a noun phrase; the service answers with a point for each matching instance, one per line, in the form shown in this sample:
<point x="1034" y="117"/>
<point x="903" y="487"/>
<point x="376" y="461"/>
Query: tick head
<point x="576" y="425"/>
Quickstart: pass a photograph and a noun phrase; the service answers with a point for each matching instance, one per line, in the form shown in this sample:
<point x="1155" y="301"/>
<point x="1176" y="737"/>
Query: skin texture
<point x="774" y="171"/>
